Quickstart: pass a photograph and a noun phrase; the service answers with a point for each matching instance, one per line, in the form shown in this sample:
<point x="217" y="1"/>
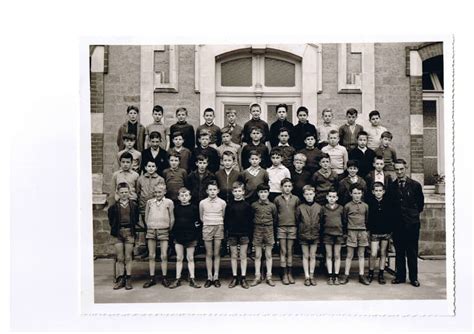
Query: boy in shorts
<point x="123" y="217"/>
<point x="265" y="217"/>
<point x="356" y="214"/>
<point x="211" y="212"/>
<point x="186" y="234"/>
<point x="308" y="219"/>
<point x="159" y="219"/>
<point x="286" y="205"/>
<point x="380" y="226"/>
<point x="238" y="226"/>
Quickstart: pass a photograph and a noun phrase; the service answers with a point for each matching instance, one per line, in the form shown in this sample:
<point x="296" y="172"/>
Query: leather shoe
<point x="217" y="283"/>
<point x="398" y="281"/>
<point x="234" y="282"/>
<point x="208" y="283"/>
<point x="415" y="283"/>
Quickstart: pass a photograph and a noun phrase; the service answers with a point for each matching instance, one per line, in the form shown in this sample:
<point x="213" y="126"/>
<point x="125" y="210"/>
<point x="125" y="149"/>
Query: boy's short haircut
<point x="333" y="132"/>
<point x="151" y="161"/>
<point x="332" y="190"/>
<point x="378" y="184"/>
<point x="129" y="136"/>
<point x="302" y="109"/>
<point x="374" y="113"/>
<point x="226" y="131"/>
<point x="174" y="154"/>
<point x="157" y="108"/>
<point x="256" y="128"/>
<point x="160" y="185"/>
<point x="324" y="156"/>
<point x="132" y="108"/>
<point x="352" y="163"/>
<point x="208" y="110"/>
<point x="400" y="161"/>
<point x="255" y="105"/>
<point x="204" y="133"/>
<point x="123" y="185"/>
<point x="182" y="109"/>
<point x="155" y="134"/>
<point x="275" y="151"/>
<point x="201" y="157"/>
<point x="300" y="157"/>
<point x="386" y="134"/>
<point x="177" y="134"/>
<point x="285" y="180"/>
<point x="282" y="105"/>
<point x="357" y="186"/>
<point x="351" y="111"/>
<point x="126" y="155"/>
<point x="309" y="134"/>
<point x="228" y="154"/>
<point x="263" y="187"/>
<point x="309" y="187"/>
<point x="283" y="130"/>
<point x="362" y="133"/>
<point x="255" y="152"/>
<point x="326" y="110"/>
<point x="184" y="190"/>
<point x="379" y="157"/>
<point x="212" y="183"/>
<point x="230" y="111"/>
<point x="238" y="184"/>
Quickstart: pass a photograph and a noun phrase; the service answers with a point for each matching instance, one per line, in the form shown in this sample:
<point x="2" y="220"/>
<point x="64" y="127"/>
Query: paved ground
<point x="432" y="275"/>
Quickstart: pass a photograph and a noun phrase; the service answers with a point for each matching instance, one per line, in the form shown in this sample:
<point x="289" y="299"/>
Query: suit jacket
<point x="408" y="202"/>
<point x="370" y="180"/>
<point x="140" y="140"/>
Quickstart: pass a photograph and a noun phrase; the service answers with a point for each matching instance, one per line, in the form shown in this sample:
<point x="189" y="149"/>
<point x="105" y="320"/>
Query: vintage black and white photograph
<point x="268" y="172"/>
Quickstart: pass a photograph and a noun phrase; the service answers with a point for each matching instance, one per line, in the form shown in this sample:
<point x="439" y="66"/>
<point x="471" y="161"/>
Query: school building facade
<point x="403" y="81"/>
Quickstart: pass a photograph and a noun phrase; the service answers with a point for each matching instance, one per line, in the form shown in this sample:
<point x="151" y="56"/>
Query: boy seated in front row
<point x="337" y="153"/>
<point x="299" y="175"/>
<point x="324" y="180"/>
<point x="286" y="205"/>
<point x="333" y="236"/>
<point x="186" y="235"/>
<point x="265" y="217"/>
<point x="211" y="213"/>
<point x="356" y="214"/>
<point x="276" y="173"/>
<point x="205" y="149"/>
<point x="123" y="217"/>
<point x="238" y="226"/>
<point x="198" y="180"/>
<point x="312" y="153"/>
<point x="129" y="142"/>
<point x="174" y="176"/>
<point x="345" y="184"/>
<point x="308" y="219"/>
<point x="380" y="226"/>
<point x="124" y="174"/>
<point x="227" y="176"/>
<point x="253" y="176"/>
<point x="255" y="144"/>
<point x="185" y="155"/>
<point x="287" y="151"/>
<point x="388" y="153"/>
<point x="159" y="219"/>
<point x="228" y="145"/>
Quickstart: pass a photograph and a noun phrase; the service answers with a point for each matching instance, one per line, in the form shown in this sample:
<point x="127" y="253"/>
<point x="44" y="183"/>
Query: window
<point x="279" y="73"/>
<point x="237" y="73"/>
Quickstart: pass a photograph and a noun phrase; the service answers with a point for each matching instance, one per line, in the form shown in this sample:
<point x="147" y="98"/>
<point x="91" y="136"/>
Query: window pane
<point x="279" y="73"/>
<point x="430" y="143"/>
<point x="237" y="73"/>
<point x="429" y="114"/>
<point x="242" y="113"/>
<point x="272" y="117"/>
<point x="430" y="167"/>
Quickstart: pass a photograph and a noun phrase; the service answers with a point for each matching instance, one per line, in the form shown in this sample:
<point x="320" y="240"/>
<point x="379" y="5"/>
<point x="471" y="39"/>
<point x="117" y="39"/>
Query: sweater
<point x="113" y="214"/>
<point x="264" y="213"/>
<point x="238" y="218"/>
<point x="161" y="160"/>
<point x="145" y="186"/>
<point x="258" y="123"/>
<point x="185" y="158"/>
<point x="332" y="220"/>
<point x="308" y="217"/>
<point x="313" y="156"/>
<point x="188" y="134"/>
<point x="343" y="192"/>
<point x="286" y="209"/>
<point x="347" y="138"/>
<point x="185" y="228"/>
<point x="159" y="214"/>
<point x="214" y="130"/>
<point x="365" y="159"/>
<point x="381" y="217"/>
<point x="225" y="181"/>
<point x="197" y="184"/>
<point x="212" y="158"/>
<point x="275" y="131"/>
<point x="175" y="179"/>
<point x="252" y="181"/>
<point x="261" y="148"/>
<point x="299" y="132"/>
<point x="299" y="181"/>
<point x="287" y="153"/>
<point x="356" y="215"/>
<point x="211" y="211"/>
<point x="323" y="184"/>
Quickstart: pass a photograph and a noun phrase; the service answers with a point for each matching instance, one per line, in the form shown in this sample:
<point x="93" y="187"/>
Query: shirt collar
<point x="124" y="204"/>
<point x="284" y="145"/>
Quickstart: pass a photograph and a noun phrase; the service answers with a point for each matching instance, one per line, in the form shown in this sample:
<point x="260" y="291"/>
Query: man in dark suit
<point x="408" y="201"/>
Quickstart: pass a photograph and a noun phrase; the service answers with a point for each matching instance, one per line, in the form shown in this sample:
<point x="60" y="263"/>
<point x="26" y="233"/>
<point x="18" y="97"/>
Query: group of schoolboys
<point x="253" y="184"/>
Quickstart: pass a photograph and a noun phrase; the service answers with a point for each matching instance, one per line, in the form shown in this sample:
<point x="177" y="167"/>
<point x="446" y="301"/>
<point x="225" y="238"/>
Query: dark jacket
<point x="188" y="134"/>
<point x="140" y="140"/>
<point x="370" y="180"/>
<point x="308" y="218"/>
<point x="161" y="160"/>
<point x="275" y="131"/>
<point x="198" y="186"/>
<point x="381" y="218"/>
<point x="114" y="217"/>
<point x="238" y="219"/>
<point x="408" y="202"/>
<point x="366" y="160"/>
<point x="299" y="132"/>
<point x="225" y="182"/>
<point x="212" y="155"/>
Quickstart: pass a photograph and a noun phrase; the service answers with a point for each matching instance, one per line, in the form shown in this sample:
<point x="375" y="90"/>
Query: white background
<point x="40" y="81"/>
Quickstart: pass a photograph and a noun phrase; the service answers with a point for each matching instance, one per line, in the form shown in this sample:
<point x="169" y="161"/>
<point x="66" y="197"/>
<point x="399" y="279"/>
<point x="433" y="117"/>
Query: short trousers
<point x="357" y="238"/>
<point x="234" y="240"/>
<point x="263" y="235"/>
<point x="212" y="232"/>
<point x="309" y="242"/>
<point x="380" y="237"/>
<point x="124" y="236"/>
<point x="333" y="239"/>
<point x="286" y="232"/>
<point x="186" y="244"/>
<point x="159" y="234"/>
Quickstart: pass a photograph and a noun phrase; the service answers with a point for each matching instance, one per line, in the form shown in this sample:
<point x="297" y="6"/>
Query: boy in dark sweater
<point x="299" y="175"/>
<point x="344" y="185"/>
<point x="255" y="121"/>
<point x="356" y="214"/>
<point x="215" y="138"/>
<point x="287" y="151"/>
<point x="155" y="153"/>
<point x="186" y="235"/>
<point x="312" y="153"/>
<point x="204" y="149"/>
<point x="380" y="226"/>
<point x="227" y="176"/>
<point x="198" y="180"/>
<point x="253" y="176"/>
<point x="324" y="180"/>
<point x="303" y="128"/>
<point x="175" y="177"/>
<point x="238" y="226"/>
<point x="185" y="128"/>
<point x="333" y="235"/>
<point x="281" y="122"/>
<point x="255" y="144"/>
<point x="363" y="154"/>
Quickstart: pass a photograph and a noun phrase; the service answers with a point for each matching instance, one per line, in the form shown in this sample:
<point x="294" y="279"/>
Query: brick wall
<point x="97" y="92"/>
<point x="102" y="240"/>
<point x="433" y="230"/>
<point x="97" y="149"/>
